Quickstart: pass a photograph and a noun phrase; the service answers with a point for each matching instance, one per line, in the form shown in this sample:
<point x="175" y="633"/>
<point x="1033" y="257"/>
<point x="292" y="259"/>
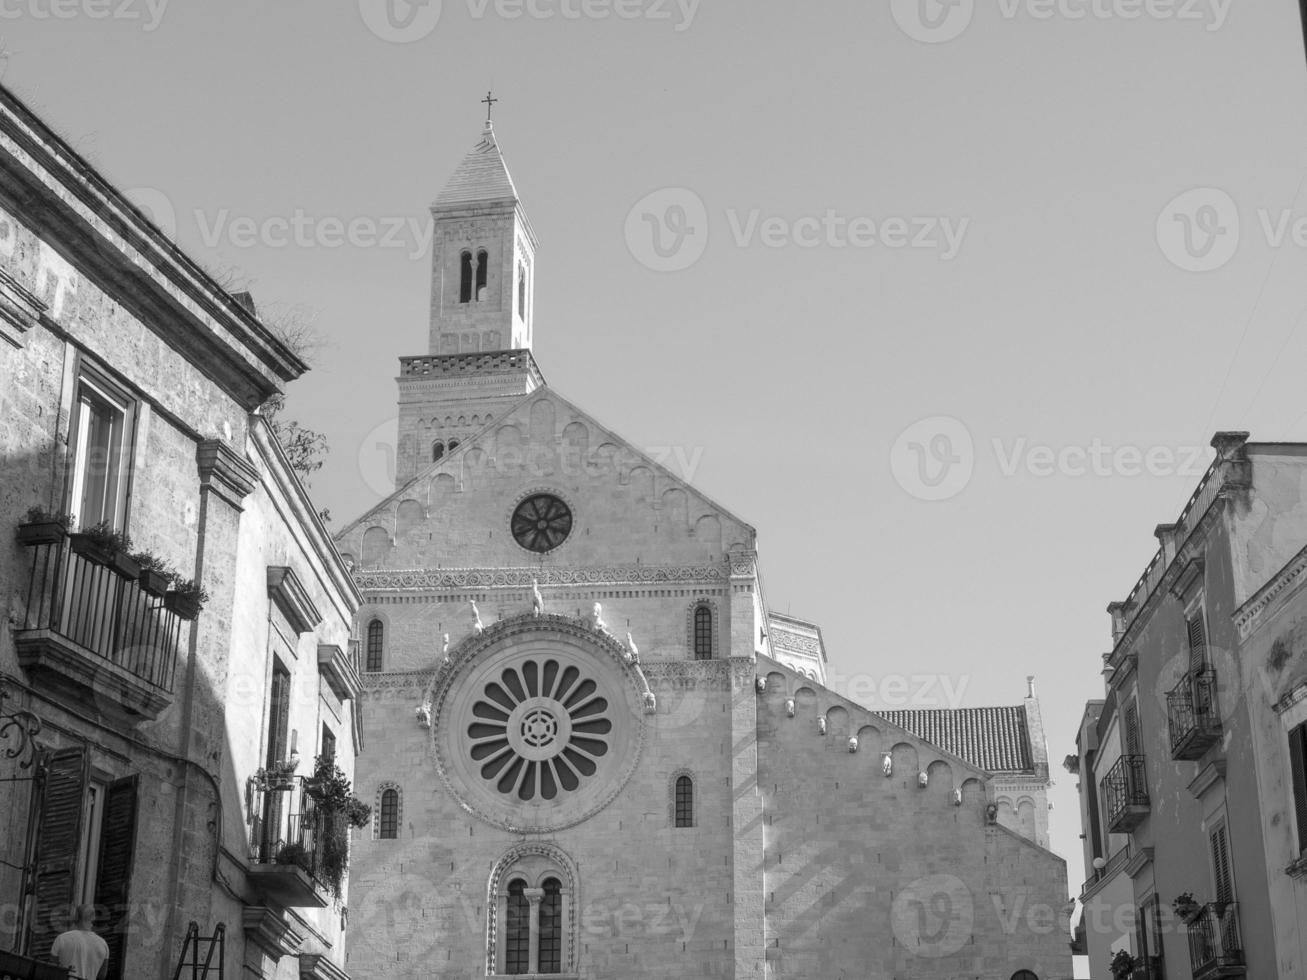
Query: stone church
<point x="592" y="748"/>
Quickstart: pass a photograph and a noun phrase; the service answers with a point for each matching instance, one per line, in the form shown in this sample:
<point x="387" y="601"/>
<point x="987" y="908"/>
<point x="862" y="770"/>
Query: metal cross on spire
<point x="489" y="101"/>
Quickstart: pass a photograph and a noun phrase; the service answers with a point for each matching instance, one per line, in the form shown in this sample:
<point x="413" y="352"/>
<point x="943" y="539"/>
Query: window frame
<point x="683" y="803"/>
<point x="93" y="385"/>
<point x="379" y="635"/>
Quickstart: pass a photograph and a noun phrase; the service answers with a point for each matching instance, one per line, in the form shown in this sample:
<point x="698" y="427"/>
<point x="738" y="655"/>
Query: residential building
<point x="1186" y="766"/>
<point x="146" y="731"/>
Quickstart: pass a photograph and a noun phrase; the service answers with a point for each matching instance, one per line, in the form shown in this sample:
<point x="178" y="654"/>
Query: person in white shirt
<point x="80" y="949"/>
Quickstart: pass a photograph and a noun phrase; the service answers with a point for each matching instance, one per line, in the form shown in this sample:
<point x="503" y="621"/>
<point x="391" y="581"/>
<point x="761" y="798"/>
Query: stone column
<point x="534" y="896"/>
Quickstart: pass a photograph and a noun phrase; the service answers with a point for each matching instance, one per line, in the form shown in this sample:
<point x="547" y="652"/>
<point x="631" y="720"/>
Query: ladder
<point x="209" y="946"/>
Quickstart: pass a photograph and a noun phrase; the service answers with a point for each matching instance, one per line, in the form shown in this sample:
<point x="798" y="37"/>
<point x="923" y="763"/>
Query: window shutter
<point x="1298" y="765"/>
<point x="1197" y="642"/>
<point x="112" y="884"/>
<point x="1221" y="865"/>
<point x="62" y="794"/>
<point x="1132" y="743"/>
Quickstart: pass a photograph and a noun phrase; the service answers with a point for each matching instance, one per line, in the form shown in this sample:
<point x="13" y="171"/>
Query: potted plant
<point x="155" y="573"/>
<point x="103" y="545"/>
<point x="41" y="526"/>
<point x="295" y="854"/>
<point x="1122" y="965"/>
<point x="1186" y="906"/>
<point x="186" y="597"/>
<point x="278" y="776"/>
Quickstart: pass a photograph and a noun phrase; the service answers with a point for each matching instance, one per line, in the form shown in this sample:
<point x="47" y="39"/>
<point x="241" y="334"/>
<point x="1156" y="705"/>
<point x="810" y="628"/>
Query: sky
<point x="945" y="300"/>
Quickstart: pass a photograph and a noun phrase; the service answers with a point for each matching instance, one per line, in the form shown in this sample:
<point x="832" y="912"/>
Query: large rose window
<point x="538" y="722"/>
<point x="540" y="729"/>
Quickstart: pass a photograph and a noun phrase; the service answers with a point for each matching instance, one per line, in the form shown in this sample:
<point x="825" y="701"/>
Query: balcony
<point x="96" y="636"/>
<point x="15" y="967"/>
<point x="1192" y="715"/>
<point x="286" y="861"/>
<point x="1125" y="794"/>
<point x="1215" y="949"/>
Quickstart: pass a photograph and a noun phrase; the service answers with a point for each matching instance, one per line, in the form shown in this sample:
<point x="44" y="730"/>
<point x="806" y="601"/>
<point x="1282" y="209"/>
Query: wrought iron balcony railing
<point x="1192" y="716"/>
<point x="1215" y="947"/>
<point x="15" y="967"/>
<point x="1125" y="794"/>
<point x="97" y="634"/>
<point x="291" y="854"/>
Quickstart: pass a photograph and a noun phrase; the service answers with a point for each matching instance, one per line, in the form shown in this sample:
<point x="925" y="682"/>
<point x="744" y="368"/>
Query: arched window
<point x="389" y="814"/>
<point x="517" y="935"/>
<point x="465" y="278"/>
<point x="532" y="918"/>
<point x="483" y="266"/>
<point x="684" y="801"/>
<point x="1024" y="975"/>
<point x="376" y="639"/>
<point x="437" y="450"/>
<point x="703" y="633"/>
<point x="521" y="292"/>
<point x="551" y="927"/>
<point x="453" y="444"/>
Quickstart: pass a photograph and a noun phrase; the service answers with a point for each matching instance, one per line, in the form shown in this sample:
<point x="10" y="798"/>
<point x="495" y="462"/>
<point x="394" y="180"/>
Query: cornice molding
<point x="272" y="934"/>
<point x="316" y="966"/>
<point x="285" y="589"/>
<point x="1208" y="777"/>
<point x="1139" y="860"/>
<point x="1289" y="578"/>
<point x="20" y="309"/>
<point x="225" y="471"/>
<point x="428" y="580"/>
<point x="338" y="670"/>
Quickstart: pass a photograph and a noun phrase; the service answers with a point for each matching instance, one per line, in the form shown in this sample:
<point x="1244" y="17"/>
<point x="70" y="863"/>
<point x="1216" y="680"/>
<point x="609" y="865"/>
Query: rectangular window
<point x="1196" y="631"/>
<point x="100" y="434"/>
<point x="1221" y="873"/>
<point x="278" y="745"/>
<point x="328" y="744"/>
<point x="84" y="846"/>
<point x="1133" y="739"/>
<point x="1298" y="768"/>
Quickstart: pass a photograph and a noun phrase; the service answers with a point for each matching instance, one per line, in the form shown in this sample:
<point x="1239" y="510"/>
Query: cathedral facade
<point x="592" y="749"/>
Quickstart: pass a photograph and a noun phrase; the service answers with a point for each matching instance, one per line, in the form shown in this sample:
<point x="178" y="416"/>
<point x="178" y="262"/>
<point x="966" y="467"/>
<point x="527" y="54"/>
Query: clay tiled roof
<point x="482" y="176"/>
<point x="995" y="739"/>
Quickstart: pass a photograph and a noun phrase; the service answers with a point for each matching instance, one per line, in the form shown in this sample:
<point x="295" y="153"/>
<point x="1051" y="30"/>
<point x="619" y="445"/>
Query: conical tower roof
<point x="482" y="176"/>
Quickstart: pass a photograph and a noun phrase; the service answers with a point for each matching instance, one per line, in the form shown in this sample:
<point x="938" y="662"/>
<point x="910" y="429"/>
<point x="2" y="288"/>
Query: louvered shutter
<point x="1298" y="766"/>
<point x="1221" y="865"/>
<point x="1132" y="741"/>
<point x="112" y="884"/>
<point x="1197" y="642"/>
<point x="62" y="794"/>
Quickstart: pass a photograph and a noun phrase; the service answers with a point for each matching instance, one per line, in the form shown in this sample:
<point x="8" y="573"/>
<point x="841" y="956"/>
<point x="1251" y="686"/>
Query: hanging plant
<point x="1185" y="906"/>
<point x="1122" y="965"/>
<point x="103" y="545"/>
<point x="41" y="526"/>
<point x="186" y="597"/>
<point x="155" y="573"/>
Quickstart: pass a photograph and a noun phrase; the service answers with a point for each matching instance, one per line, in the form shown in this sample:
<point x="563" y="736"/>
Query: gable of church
<point x="600" y="498"/>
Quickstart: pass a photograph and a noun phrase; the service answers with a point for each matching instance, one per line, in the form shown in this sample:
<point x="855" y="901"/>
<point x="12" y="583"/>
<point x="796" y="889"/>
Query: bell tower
<point x="479" y="360"/>
<point x="483" y="258"/>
